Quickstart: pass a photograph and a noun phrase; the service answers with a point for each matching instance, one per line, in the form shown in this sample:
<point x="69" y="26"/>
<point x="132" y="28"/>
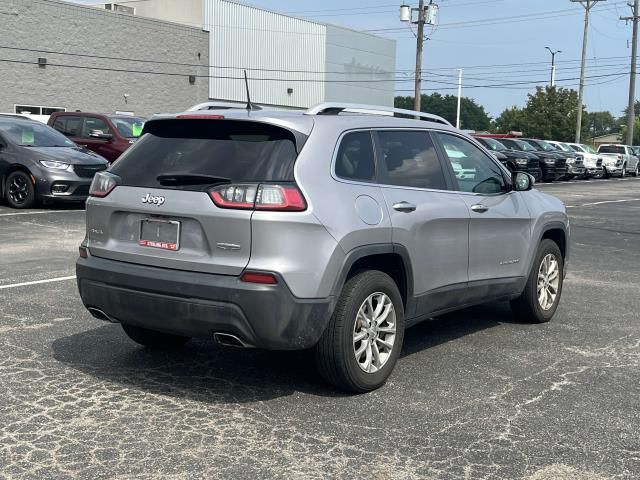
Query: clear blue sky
<point x="475" y="34"/>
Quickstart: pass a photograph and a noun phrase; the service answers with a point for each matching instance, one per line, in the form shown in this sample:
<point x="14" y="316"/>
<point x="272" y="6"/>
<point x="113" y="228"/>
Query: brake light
<point x="102" y="184"/>
<point x="259" y="277"/>
<point x="283" y="198"/>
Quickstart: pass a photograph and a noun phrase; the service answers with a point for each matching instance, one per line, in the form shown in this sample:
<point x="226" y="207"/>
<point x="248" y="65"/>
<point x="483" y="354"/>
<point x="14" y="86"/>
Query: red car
<point x="107" y="135"/>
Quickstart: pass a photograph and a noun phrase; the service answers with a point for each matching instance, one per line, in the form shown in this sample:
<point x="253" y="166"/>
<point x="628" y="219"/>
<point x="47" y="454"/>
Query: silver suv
<point x="334" y="229"/>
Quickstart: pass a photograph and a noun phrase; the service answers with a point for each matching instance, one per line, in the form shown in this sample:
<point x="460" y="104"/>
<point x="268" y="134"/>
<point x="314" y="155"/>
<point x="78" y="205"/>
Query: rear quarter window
<point x="239" y="151"/>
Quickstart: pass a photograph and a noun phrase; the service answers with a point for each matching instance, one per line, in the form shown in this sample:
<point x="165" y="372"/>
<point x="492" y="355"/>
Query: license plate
<point x="164" y="234"/>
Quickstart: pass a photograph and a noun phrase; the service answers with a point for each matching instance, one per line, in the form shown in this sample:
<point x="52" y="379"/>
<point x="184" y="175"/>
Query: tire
<point x="154" y="339"/>
<point x="624" y="171"/>
<point x="636" y="172"/>
<point x="528" y="307"/>
<point x="19" y="190"/>
<point x="605" y="174"/>
<point x="335" y="353"/>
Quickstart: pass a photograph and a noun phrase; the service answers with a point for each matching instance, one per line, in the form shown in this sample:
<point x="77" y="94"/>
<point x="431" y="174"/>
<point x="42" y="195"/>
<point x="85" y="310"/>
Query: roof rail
<point x="334" y="108"/>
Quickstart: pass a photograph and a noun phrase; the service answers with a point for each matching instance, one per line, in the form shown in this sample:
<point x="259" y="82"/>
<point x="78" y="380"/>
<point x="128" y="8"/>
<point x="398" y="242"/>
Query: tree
<point x="636" y="132"/>
<point x="550" y="114"/>
<point x="602" y="123"/>
<point x="472" y="115"/>
<point x="510" y="120"/>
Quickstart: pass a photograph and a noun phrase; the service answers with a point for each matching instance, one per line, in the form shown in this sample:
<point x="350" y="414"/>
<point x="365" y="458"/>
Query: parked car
<point x="283" y="230"/>
<point x="574" y="163"/>
<point x="38" y="163"/>
<point x="592" y="161"/>
<point x="515" y="161"/>
<point x="553" y="168"/>
<point x="107" y="135"/>
<point x="618" y="160"/>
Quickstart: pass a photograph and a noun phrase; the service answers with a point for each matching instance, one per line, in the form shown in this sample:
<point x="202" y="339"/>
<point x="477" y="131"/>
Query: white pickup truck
<point x="618" y="160"/>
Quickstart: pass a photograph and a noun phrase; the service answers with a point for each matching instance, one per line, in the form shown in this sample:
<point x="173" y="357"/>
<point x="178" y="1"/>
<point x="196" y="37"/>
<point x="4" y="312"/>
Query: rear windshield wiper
<point x="190" y="179"/>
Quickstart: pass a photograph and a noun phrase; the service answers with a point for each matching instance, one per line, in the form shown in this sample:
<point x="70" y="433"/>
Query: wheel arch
<point x="392" y="259"/>
<point x="8" y="171"/>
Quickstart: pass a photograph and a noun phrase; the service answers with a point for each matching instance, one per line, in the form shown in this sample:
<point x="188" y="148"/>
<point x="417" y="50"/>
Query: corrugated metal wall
<point x="279" y="53"/>
<point x="360" y="67"/>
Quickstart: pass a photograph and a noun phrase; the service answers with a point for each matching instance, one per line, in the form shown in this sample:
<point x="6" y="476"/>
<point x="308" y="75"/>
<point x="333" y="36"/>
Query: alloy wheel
<point x="18" y="189"/>
<point x="374" y="332"/>
<point x="548" y="281"/>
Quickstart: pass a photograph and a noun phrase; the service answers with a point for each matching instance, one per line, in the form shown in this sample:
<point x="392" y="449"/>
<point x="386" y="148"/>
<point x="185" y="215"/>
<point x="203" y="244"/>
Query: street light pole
<point x="588" y="5"/>
<point x="553" y="65"/>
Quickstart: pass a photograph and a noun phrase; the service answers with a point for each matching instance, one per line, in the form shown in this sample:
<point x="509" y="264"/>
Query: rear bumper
<point x="201" y="304"/>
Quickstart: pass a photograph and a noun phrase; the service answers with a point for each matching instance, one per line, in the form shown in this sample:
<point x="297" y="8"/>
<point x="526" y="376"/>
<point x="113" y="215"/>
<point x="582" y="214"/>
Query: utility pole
<point x="631" y="114"/>
<point x="553" y="65"/>
<point x="588" y="5"/>
<point x="420" y="44"/>
<point x="459" y="98"/>
<point x="426" y="16"/>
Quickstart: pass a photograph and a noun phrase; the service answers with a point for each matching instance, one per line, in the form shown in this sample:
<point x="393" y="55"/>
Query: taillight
<point x="102" y="184"/>
<point x="282" y="198"/>
<point x="259" y="277"/>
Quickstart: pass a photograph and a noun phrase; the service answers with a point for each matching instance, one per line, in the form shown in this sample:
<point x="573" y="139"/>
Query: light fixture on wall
<point x="192" y="79"/>
<point x="126" y="98"/>
<point x="42" y="62"/>
<point x="290" y="91"/>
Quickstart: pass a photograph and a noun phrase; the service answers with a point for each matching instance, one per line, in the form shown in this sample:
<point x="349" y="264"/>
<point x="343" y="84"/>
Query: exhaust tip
<point x="100" y="315"/>
<point x="230" y="340"/>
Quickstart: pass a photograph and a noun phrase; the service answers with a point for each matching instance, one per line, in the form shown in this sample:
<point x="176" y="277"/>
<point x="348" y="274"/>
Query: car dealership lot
<point x="475" y="394"/>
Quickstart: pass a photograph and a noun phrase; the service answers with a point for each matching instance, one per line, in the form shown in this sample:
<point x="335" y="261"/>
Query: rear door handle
<point x="405" y="207"/>
<point x="479" y="208"/>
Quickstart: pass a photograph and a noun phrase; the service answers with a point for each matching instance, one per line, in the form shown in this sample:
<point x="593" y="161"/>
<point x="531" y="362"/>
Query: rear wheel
<point x="19" y="190"/>
<point x="154" y="339"/>
<point x="636" y="172"/>
<point x="360" y="347"/>
<point x="540" y="298"/>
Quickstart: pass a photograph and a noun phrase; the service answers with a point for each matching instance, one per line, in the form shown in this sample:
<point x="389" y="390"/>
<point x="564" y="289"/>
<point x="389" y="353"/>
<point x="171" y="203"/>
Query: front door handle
<point x="479" y="208"/>
<point x="405" y="207"/>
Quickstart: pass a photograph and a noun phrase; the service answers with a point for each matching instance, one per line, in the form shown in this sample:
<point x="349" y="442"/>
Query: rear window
<point x="235" y="150"/>
<point x="611" y="149"/>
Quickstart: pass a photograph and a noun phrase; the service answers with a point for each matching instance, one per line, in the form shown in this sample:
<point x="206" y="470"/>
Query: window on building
<point x="37" y="109"/>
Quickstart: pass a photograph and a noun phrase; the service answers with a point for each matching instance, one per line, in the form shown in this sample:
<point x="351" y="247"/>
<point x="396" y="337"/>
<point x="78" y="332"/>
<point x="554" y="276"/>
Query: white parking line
<point x="37" y="282"/>
<point x="42" y="212"/>
<point x="604" y="202"/>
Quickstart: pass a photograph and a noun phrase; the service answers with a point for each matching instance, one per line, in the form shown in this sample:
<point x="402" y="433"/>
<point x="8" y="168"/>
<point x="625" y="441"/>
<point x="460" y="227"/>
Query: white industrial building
<point x="290" y="61"/>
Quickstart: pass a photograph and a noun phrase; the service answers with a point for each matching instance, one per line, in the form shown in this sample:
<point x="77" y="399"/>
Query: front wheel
<point x="624" y="171"/>
<point x="541" y="295"/>
<point x="636" y="172"/>
<point x="360" y="347"/>
<point x="19" y="190"/>
<point x="154" y="339"/>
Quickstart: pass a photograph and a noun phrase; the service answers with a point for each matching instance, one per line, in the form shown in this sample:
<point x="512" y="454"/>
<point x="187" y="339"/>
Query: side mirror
<point x="522" y="182"/>
<point x="100" y="134"/>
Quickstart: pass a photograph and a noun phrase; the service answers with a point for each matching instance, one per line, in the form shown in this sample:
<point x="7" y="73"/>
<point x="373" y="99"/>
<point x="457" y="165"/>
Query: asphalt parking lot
<point x="475" y="394"/>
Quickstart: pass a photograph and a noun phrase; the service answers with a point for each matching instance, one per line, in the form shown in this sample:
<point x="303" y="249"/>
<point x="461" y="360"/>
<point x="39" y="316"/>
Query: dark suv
<point x="554" y="167"/>
<point x="108" y="135"/>
<point x="38" y="163"/>
<point x="574" y="162"/>
<point x="514" y="161"/>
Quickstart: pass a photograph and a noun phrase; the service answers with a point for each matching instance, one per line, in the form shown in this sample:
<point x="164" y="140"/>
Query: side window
<point x="473" y="169"/>
<point x="355" y="160"/>
<point x="69" y="126"/>
<point x="92" y="123"/>
<point x="409" y="159"/>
